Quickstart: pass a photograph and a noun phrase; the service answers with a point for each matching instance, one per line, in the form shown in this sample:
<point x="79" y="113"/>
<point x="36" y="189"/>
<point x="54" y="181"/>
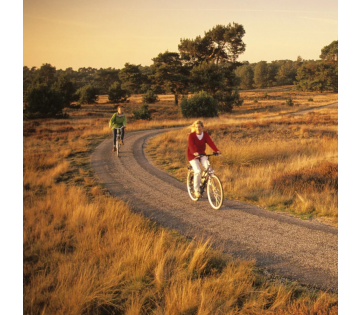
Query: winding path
<point x="298" y="250"/>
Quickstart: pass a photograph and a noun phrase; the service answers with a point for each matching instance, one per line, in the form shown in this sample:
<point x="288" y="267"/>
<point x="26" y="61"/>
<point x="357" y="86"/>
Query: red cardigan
<point x="196" y="145"/>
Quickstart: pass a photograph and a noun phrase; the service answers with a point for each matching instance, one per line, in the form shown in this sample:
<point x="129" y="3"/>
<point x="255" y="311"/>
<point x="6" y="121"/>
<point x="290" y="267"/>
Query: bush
<point x="142" y="113"/>
<point x="201" y="104"/>
<point x="41" y="101"/>
<point x="289" y="102"/>
<point x="226" y="101"/>
<point x="117" y="94"/>
<point x="255" y="100"/>
<point x="150" y="97"/>
<point x="87" y="94"/>
<point x="310" y="99"/>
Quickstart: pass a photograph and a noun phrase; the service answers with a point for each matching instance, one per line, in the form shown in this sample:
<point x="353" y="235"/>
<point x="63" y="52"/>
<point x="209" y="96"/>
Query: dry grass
<point x="263" y="156"/>
<point x="87" y="253"/>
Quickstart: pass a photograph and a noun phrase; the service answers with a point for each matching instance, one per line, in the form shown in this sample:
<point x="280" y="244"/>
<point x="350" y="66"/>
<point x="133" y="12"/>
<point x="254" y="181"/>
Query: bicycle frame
<point x="209" y="182"/>
<point x="118" y="139"/>
<point x="205" y="175"/>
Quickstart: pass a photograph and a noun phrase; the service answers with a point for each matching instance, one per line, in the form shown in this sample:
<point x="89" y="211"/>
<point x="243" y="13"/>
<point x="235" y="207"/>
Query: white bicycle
<point x="209" y="183"/>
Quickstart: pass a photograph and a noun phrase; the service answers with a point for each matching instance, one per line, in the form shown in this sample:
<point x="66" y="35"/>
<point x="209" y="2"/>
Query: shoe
<point x="114" y="149"/>
<point x="197" y="194"/>
<point x="121" y="142"/>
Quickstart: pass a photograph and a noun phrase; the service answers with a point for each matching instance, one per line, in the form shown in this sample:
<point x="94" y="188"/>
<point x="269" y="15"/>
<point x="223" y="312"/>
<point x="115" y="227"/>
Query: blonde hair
<point x="195" y="123"/>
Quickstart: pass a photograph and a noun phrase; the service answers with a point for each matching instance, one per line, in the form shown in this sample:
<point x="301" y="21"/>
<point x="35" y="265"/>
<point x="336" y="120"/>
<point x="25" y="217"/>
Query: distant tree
<point x="46" y="73"/>
<point x="329" y="53"/>
<point x="286" y="73"/>
<point x="132" y="78"/>
<point x="117" y="94"/>
<point x="87" y="94"/>
<point x="150" y="97"/>
<point x="261" y="74"/>
<point x="221" y="44"/>
<point x="227" y="101"/>
<point x="207" y="77"/>
<point x="156" y="88"/>
<point x="246" y="75"/>
<point x="41" y="101"/>
<point x="66" y="88"/>
<point x="272" y="69"/>
<point x="170" y="73"/>
<point x="104" y="78"/>
<point x="317" y="76"/>
<point x="219" y="81"/>
<point x="213" y="62"/>
<point x="28" y="78"/>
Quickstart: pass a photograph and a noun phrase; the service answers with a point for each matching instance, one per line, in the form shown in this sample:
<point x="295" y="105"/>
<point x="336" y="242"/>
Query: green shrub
<point x="87" y="94"/>
<point x="117" y="94"/>
<point x="201" y="104"/>
<point x="289" y="102"/>
<point x="41" y="101"/>
<point x="255" y="100"/>
<point x="142" y="113"/>
<point x="150" y="97"/>
<point x="310" y="99"/>
<point x="226" y="101"/>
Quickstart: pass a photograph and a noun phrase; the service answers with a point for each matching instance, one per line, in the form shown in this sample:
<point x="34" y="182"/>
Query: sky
<point x="109" y="33"/>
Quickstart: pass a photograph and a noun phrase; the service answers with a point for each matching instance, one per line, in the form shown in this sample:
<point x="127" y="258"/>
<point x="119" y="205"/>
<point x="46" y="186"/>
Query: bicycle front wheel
<point x="190" y="185"/>
<point x="117" y="147"/>
<point x="215" y="192"/>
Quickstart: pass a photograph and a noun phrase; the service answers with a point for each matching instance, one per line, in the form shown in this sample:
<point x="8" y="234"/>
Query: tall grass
<point x="281" y="164"/>
<point x="85" y="252"/>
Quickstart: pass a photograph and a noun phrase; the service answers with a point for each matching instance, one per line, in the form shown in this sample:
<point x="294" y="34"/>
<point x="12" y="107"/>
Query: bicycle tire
<point x="117" y="147"/>
<point x="215" y="192"/>
<point x="190" y="185"/>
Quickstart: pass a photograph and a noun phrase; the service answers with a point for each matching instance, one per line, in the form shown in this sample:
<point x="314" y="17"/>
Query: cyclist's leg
<point x="114" y="137"/>
<point x="197" y="173"/>
<point x="122" y="134"/>
<point x="204" y="162"/>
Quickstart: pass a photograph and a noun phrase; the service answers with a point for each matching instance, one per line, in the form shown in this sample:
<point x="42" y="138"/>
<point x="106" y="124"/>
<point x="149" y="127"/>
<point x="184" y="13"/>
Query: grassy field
<point x="280" y="162"/>
<point x="85" y="252"/>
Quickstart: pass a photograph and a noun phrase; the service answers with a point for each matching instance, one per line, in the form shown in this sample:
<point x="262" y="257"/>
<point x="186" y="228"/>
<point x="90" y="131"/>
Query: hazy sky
<point x="109" y="33"/>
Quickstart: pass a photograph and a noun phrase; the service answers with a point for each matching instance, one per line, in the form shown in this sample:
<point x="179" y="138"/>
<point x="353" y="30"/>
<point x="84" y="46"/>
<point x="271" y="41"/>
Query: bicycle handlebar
<point x="208" y="155"/>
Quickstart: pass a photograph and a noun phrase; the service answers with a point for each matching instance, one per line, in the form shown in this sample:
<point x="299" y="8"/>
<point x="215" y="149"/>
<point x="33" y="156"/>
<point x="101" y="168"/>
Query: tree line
<point x="307" y="75"/>
<point x="207" y="64"/>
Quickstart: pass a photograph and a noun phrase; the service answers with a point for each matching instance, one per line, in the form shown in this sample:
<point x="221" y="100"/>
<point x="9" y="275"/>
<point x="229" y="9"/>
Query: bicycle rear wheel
<point x="215" y="192"/>
<point x="190" y="185"/>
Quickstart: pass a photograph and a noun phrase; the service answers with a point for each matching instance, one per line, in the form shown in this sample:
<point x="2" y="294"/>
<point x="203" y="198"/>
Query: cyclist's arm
<point x="111" y="122"/>
<point x="192" y="146"/>
<point x="211" y="143"/>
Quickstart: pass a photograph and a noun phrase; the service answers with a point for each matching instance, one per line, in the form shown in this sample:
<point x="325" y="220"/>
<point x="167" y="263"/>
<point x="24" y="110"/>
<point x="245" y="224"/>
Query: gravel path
<point x="298" y="250"/>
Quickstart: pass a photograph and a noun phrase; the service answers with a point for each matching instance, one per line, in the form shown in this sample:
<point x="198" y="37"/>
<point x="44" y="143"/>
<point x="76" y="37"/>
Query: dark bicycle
<point x="209" y="183"/>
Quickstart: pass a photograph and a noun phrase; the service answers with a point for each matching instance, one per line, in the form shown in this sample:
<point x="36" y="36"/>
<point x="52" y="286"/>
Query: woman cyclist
<point x="197" y="141"/>
<point x="117" y="121"/>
